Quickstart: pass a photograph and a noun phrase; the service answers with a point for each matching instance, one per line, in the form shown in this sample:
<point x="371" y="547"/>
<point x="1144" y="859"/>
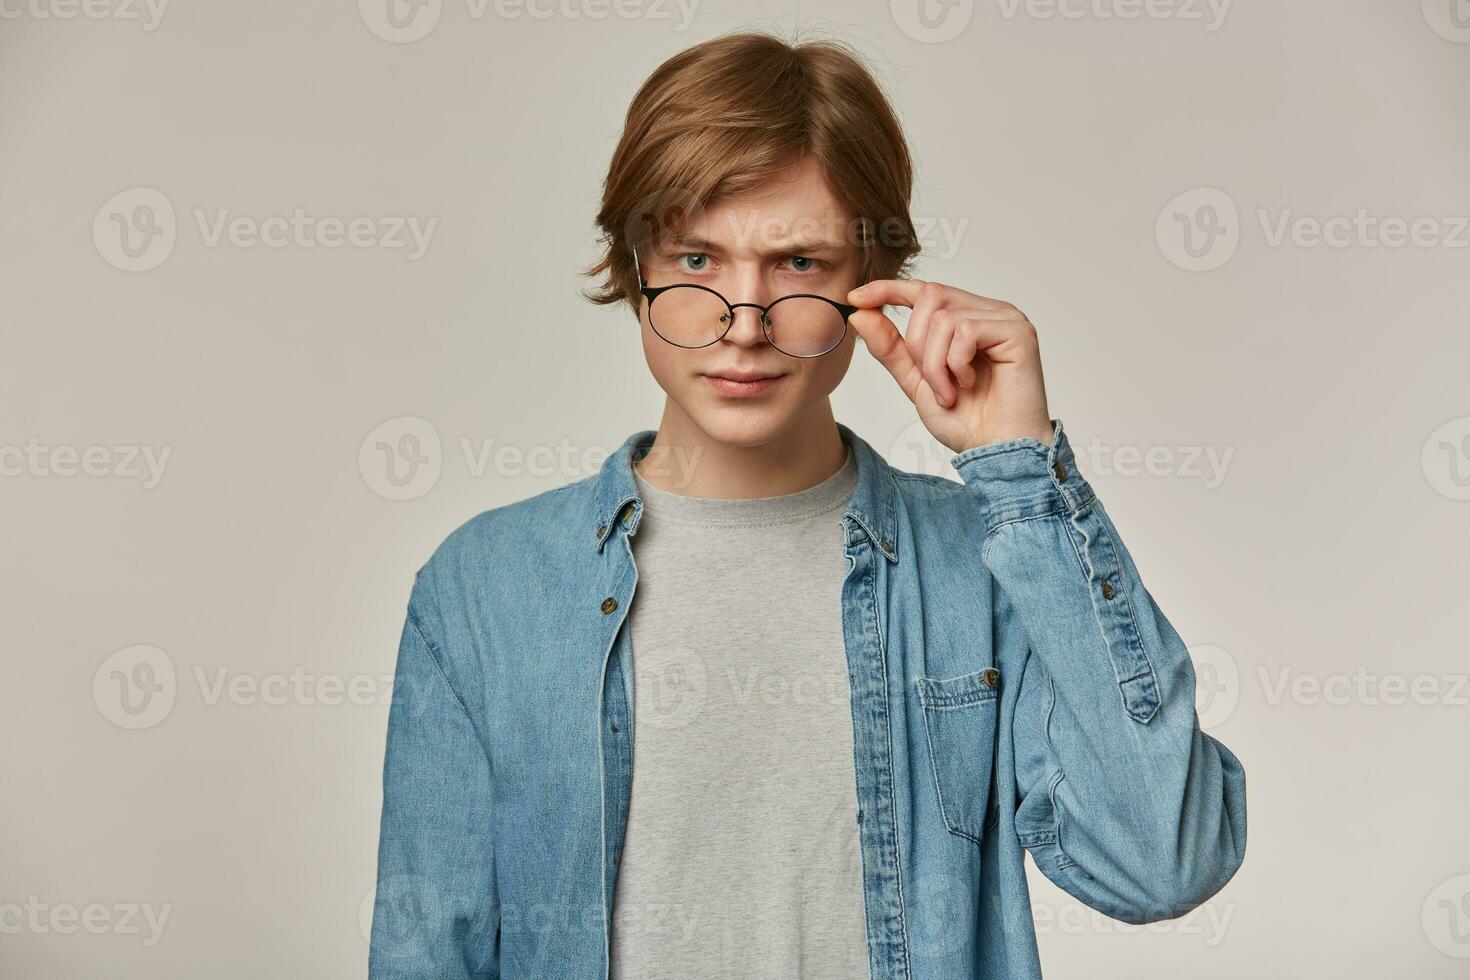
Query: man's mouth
<point x="741" y="383"/>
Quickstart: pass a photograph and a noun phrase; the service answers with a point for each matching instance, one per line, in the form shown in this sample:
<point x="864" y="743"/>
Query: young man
<point x="813" y="729"/>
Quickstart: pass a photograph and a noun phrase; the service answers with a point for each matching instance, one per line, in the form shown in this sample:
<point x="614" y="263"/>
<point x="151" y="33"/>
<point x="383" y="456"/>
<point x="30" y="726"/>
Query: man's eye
<point x="800" y="263"/>
<point x="694" y="261"/>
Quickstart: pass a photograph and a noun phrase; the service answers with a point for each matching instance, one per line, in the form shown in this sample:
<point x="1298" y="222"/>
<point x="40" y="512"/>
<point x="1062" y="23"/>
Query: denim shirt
<point x="1014" y="688"/>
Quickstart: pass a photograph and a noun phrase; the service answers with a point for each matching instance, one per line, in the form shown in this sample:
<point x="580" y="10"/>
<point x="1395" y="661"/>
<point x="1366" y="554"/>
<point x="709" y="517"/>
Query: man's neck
<point x="685" y="459"/>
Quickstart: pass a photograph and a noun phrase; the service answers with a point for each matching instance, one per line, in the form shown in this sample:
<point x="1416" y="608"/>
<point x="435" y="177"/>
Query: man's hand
<point x="970" y="365"/>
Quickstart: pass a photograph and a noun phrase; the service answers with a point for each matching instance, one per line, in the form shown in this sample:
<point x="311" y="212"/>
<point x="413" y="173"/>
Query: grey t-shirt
<point x="741" y="856"/>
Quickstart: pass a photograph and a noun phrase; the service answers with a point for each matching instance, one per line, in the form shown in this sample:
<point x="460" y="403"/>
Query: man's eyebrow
<point x="690" y="243"/>
<point x="797" y="246"/>
<point x="806" y="246"/>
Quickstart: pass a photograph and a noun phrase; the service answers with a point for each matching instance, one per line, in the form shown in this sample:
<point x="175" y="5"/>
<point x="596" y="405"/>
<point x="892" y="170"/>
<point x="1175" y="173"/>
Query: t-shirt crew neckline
<point x="831" y="494"/>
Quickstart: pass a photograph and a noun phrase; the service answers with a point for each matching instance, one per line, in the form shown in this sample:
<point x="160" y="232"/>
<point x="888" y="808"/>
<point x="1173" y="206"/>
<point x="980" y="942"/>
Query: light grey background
<point x="1318" y="568"/>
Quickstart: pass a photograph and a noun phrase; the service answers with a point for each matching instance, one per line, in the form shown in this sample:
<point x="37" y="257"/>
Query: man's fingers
<point x="905" y="292"/>
<point x="886" y="292"/>
<point x="940" y="335"/>
<point x="974" y="335"/>
<point x="884" y="342"/>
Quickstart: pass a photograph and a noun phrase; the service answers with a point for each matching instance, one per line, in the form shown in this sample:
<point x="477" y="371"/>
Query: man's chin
<point x="742" y="423"/>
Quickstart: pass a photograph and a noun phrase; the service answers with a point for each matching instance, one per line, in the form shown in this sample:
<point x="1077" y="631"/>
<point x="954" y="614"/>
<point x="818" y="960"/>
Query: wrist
<point x="1042" y="432"/>
<point x="1024" y="477"/>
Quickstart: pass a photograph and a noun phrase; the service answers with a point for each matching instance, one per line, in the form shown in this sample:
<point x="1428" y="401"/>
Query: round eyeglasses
<point x="690" y="315"/>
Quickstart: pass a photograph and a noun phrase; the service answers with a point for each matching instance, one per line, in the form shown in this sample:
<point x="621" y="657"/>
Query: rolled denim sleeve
<point x="1122" y="800"/>
<point x="435" y="914"/>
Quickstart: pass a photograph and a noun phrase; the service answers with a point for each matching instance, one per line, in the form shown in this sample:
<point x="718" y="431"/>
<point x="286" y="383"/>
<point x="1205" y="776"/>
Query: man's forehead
<point x="827" y="230"/>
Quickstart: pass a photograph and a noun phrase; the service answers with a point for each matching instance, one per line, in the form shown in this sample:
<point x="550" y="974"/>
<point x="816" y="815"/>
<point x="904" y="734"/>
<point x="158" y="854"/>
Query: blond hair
<point x="725" y="116"/>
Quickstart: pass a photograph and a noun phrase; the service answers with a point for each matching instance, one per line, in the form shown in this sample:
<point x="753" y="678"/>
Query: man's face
<point x="788" y="236"/>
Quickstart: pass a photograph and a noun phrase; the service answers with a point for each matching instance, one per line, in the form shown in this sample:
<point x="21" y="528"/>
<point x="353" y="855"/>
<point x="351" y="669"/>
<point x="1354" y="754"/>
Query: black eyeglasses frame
<point x="653" y="292"/>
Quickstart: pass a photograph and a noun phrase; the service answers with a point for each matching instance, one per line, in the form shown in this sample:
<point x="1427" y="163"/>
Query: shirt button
<point x="1060" y="469"/>
<point x="1107" y="590"/>
<point x="609" y="604"/>
<point x="990" y="677"/>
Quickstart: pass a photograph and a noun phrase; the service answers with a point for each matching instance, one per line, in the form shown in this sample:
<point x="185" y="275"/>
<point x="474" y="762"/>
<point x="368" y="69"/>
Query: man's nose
<point x="748" y="296"/>
<point x="748" y="327"/>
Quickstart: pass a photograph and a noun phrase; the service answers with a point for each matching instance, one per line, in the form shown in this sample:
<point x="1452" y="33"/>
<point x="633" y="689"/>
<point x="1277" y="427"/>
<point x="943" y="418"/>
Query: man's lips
<point x="742" y="375"/>
<point x="741" y="383"/>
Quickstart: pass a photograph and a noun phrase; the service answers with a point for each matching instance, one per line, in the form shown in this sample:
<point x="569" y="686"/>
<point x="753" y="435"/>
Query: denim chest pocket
<point x="960" y="725"/>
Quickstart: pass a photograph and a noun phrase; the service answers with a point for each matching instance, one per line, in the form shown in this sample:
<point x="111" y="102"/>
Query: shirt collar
<point x="873" y="504"/>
